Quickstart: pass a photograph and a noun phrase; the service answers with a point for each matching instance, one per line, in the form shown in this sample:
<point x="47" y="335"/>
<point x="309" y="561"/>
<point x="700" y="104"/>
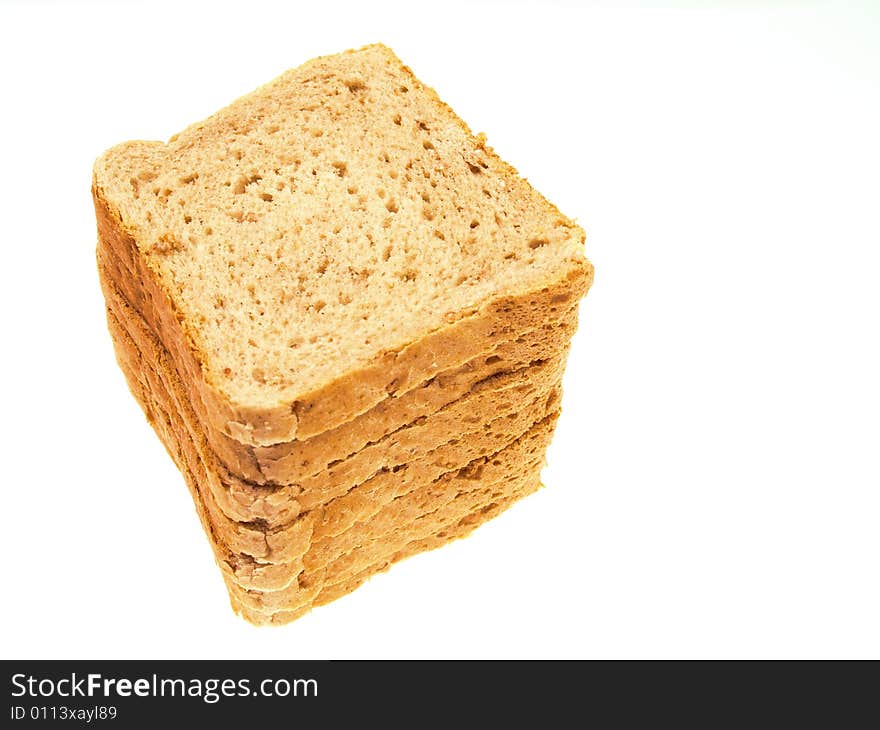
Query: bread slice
<point x="337" y="236"/>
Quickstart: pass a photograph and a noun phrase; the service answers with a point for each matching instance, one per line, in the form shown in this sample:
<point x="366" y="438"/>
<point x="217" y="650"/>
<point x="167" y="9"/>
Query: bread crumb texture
<point x="340" y="212"/>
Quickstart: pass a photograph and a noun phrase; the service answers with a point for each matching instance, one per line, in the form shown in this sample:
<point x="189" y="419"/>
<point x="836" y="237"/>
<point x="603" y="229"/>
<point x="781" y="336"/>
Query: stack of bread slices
<point x="346" y="318"/>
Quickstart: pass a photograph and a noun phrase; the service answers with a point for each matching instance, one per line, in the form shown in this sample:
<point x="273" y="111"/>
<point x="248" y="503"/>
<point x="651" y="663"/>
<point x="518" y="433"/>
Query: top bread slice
<point x="334" y="237"/>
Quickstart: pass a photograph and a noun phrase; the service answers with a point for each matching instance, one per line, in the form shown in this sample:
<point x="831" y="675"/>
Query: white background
<point x="713" y="487"/>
